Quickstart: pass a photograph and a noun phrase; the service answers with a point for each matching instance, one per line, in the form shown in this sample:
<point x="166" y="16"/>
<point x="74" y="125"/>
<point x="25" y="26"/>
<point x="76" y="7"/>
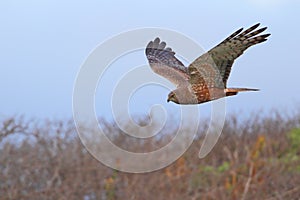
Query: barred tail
<point x="234" y="91"/>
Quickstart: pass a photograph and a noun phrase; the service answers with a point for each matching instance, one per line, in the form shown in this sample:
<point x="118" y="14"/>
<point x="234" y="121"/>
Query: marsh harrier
<point x="205" y="79"/>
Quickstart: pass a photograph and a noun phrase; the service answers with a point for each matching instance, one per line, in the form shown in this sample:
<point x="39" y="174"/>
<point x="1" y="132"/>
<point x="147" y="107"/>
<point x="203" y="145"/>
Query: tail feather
<point x="234" y="91"/>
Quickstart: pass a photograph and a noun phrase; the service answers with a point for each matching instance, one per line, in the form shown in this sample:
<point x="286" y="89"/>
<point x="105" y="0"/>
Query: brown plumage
<point x="205" y="79"/>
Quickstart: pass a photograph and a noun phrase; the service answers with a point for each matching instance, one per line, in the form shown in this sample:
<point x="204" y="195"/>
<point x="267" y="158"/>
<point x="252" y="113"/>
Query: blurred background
<point x="43" y="45"/>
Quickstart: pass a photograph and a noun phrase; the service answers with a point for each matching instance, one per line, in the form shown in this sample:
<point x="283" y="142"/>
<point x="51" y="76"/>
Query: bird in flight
<point x="205" y="79"/>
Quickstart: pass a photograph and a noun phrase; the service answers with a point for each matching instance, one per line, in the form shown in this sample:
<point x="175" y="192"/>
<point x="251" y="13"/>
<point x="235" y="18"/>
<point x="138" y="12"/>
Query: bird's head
<point x="172" y="97"/>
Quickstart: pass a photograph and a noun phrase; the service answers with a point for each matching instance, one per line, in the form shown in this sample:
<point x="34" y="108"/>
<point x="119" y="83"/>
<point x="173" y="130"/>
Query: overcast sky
<point x="44" y="43"/>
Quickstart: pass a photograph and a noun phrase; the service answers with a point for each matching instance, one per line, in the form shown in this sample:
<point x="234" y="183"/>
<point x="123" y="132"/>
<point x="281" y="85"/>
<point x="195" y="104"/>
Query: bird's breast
<point x="205" y="94"/>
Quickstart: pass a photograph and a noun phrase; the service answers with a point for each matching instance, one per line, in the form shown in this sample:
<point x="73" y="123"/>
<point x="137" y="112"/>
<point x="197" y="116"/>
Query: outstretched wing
<point x="224" y="54"/>
<point x="162" y="61"/>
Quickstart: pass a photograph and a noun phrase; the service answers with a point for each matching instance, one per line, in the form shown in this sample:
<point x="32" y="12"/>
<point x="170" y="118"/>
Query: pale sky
<point x="44" y="43"/>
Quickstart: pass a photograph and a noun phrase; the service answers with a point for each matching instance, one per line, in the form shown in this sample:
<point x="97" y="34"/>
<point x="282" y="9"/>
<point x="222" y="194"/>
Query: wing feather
<point x="162" y="61"/>
<point x="224" y="54"/>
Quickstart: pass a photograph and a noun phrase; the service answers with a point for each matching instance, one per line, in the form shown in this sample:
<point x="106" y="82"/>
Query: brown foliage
<point x="254" y="159"/>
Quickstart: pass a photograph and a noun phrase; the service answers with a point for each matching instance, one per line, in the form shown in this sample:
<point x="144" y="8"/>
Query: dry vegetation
<point x="258" y="158"/>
